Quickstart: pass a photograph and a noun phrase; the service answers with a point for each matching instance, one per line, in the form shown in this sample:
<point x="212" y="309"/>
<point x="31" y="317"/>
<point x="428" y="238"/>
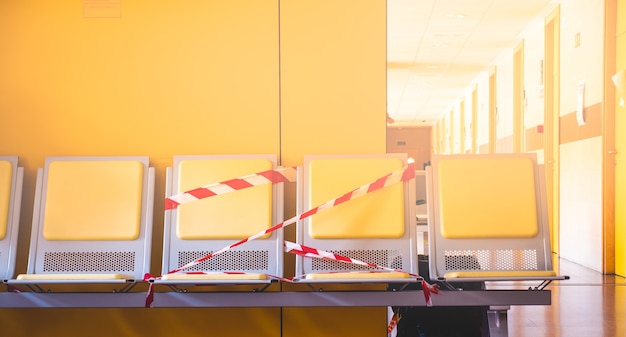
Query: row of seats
<point x="355" y="220"/>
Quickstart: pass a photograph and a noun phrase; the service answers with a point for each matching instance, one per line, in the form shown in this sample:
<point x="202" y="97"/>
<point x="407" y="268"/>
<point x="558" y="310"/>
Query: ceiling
<point x="436" y="50"/>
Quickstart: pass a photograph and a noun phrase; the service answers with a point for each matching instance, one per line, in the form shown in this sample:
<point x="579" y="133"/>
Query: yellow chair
<point x="488" y="219"/>
<point x="377" y="227"/>
<point x="92" y="222"/>
<point x="11" y="179"/>
<point x="196" y="229"/>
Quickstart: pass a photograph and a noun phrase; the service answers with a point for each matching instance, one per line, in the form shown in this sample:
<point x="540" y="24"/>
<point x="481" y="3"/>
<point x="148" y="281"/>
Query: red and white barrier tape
<point x="305" y="251"/>
<point x="275" y="176"/>
<point x="394" y="321"/>
<point x="405" y="174"/>
<point x="310" y="252"/>
<point x="429" y="289"/>
<point x="278" y="175"/>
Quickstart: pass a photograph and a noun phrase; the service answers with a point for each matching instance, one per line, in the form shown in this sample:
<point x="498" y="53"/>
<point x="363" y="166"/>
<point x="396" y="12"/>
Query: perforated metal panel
<point x="381" y="257"/>
<point x="247" y="260"/>
<point x="504" y="259"/>
<point x="88" y="262"/>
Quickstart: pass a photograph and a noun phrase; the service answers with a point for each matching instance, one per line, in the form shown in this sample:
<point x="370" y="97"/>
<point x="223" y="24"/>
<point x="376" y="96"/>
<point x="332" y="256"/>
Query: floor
<point x="588" y="304"/>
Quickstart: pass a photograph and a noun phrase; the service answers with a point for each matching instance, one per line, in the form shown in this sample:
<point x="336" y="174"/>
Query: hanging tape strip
<point x="306" y="251"/>
<point x="394" y="321"/>
<point x="310" y="252"/>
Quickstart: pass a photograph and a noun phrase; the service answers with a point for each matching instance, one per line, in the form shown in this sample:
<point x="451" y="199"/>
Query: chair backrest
<point x="92" y="219"/>
<point x="196" y="229"/>
<point x="377" y="227"/>
<point x="11" y="178"/>
<point x="488" y="218"/>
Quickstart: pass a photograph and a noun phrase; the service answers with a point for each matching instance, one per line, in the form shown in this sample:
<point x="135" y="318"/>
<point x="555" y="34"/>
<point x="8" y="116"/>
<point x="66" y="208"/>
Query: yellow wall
<point x="199" y="77"/>
<point x="333" y="77"/>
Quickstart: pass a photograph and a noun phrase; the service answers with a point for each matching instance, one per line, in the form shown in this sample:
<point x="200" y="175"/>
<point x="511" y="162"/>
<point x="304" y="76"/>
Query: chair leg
<point x="498" y="324"/>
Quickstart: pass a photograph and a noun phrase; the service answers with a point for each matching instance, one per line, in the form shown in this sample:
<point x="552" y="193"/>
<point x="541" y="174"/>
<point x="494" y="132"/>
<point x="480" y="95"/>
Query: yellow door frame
<point x="493" y="114"/>
<point x="518" y="98"/>
<point x="551" y="120"/>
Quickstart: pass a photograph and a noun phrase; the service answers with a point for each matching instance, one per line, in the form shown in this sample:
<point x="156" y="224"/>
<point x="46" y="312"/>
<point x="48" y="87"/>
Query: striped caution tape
<point x="275" y="176"/>
<point x="393" y="322"/>
<point x="306" y="251"/>
<point x="284" y="174"/>
<point x="405" y="174"/>
<point x="310" y="252"/>
<point x="429" y="289"/>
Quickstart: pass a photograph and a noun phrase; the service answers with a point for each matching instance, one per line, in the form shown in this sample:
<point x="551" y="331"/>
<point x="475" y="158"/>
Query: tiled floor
<point x="588" y="304"/>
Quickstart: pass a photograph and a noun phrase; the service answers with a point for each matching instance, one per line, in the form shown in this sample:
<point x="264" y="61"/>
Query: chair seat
<point x="74" y="277"/>
<point x="214" y="276"/>
<point x="501" y="275"/>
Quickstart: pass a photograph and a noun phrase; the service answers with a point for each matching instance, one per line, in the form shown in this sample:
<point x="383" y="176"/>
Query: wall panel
<point x="333" y="75"/>
<point x="164" y="78"/>
<point x="333" y="101"/>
